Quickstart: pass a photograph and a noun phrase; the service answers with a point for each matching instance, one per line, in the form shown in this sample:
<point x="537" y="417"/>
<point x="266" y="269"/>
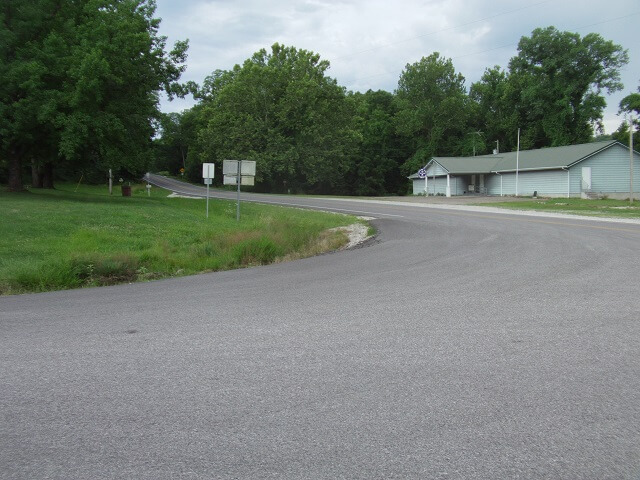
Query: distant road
<point x="461" y="344"/>
<point x="327" y="203"/>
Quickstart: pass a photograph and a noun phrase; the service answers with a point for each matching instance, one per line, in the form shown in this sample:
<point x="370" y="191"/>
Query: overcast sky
<point x="368" y="43"/>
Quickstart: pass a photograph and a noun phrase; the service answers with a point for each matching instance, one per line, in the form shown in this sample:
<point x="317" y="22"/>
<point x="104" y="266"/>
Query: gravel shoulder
<point x="469" y="204"/>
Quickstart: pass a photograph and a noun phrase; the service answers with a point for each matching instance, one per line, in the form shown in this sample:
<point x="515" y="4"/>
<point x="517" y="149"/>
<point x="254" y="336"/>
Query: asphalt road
<point x="457" y="345"/>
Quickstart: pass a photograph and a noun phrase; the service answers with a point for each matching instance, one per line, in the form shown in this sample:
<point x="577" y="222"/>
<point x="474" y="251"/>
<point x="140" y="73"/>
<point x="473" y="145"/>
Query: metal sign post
<point x="422" y="173"/>
<point x="239" y="172"/>
<point x="208" y="172"/>
<point x="238" y="181"/>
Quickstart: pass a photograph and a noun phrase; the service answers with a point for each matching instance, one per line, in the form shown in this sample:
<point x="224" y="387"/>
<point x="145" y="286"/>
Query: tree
<point x="177" y="133"/>
<point x="556" y="83"/>
<point x="622" y="135"/>
<point x="29" y="32"/>
<point x="375" y="167"/>
<point x="494" y="114"/>
<point x="631" y="103"/>
<point x="433" y="109"/>
<point x="280" y="109"/>
<point x="82" y="84"/>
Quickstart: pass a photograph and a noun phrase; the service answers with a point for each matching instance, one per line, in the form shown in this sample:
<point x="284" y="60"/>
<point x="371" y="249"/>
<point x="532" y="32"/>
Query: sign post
<point x="208" y="172"/>
<point x="238" y="181"/>
<point x="422" y="173"/>
<point x="239" y="172"/>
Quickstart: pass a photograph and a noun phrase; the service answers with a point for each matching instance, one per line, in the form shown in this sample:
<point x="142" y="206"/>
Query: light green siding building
<point x="590" y="169"/>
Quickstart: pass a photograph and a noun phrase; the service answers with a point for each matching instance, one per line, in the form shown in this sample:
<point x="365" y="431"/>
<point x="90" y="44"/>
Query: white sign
<point x="244" y="180"/>
<point x="208" y="170"/>
<point x="230" y="167"/>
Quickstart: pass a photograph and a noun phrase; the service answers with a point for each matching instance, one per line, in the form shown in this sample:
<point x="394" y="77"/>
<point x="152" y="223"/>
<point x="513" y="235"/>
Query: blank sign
<point x="208" y="170"/>
<point x="230" y="167"/>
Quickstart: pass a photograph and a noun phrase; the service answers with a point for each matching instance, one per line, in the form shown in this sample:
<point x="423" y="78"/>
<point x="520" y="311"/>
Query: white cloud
<point x="369" y="42"/>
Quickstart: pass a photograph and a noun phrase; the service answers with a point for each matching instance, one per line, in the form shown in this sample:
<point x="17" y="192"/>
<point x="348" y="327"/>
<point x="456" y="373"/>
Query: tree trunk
<point x="47" y="175"/>
<point x="36" y="175"/>
<point x="15" y="171"/>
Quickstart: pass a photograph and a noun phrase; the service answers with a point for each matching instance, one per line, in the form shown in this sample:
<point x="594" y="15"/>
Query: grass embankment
<point x="603" y="207"/>
<point x="60" y="239"/>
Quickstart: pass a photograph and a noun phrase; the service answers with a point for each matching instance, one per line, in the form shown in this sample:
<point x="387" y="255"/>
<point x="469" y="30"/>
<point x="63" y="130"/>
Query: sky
<point x="369" y="42"/>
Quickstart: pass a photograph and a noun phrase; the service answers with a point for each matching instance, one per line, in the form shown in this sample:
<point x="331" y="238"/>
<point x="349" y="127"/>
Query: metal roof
<point x="551" y="158"/>
<point x="469" y="165"/>
<point x="540" y="159"/>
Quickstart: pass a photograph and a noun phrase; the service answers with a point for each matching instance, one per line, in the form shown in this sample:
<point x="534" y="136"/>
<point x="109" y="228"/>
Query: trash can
<point x="126" y="190"/>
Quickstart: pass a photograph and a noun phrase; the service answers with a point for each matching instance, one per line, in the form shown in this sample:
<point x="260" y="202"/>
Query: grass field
<point x="602" y="207"/>
<point x="63" y="238"/>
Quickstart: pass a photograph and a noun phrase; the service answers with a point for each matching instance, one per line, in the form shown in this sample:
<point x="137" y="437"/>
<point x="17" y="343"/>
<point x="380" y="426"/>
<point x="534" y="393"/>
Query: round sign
<point x="422" y="173"/>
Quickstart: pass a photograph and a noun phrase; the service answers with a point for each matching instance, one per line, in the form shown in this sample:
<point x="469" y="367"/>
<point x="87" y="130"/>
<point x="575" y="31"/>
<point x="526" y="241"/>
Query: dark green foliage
<point x="178" y="133"/>
<point x="556" y="83"/>
<point x="80" y="82"/>
<point x="280" y="109"/>
<point x="381" y="152"/>
<point x="433" y="111"/>
<point x="552" y="90"/>
<point x="80" y="94"/>
<point x="622" y="135"/>
<point x="309" y="136"/>
<point x="631" y="103"/>
<point x="495" y="115"/>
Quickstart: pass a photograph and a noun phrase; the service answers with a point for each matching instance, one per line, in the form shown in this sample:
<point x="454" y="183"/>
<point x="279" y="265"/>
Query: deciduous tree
<point x="82" y="82"/>
<point x="281" y="109"/>
<point x="433" y="109"/>
<point x="556" y="85"/>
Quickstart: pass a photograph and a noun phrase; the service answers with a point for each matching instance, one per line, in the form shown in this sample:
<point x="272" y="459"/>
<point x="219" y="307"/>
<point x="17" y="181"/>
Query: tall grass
<point x="63" y="238"/>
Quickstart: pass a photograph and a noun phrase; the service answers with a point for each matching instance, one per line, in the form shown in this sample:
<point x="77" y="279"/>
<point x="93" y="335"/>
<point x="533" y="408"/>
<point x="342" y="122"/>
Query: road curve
<point x="461" y="344"/>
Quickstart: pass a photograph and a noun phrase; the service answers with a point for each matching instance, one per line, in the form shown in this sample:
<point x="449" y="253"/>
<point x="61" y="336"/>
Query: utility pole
<point x="630" y="160"/>
<point x="474" y="140"/>
<point x="517" y="161"/>
<point x="497" y="146"/>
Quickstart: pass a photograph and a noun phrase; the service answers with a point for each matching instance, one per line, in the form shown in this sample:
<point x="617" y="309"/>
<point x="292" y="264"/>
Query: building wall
<point x="439" y="185"/>
<point x="609" y="173"/>
<point x="551" y="183"/>
<point x="609" y="176"/>
<point x="435" y="169"/>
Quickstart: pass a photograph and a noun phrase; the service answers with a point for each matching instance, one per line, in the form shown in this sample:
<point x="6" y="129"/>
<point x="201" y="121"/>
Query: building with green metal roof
<point x="587" y="170"/>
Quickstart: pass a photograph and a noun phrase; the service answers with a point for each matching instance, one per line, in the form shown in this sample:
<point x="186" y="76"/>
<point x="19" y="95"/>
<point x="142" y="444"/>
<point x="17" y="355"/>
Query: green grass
<point x="602" y="207"/>
<point x="63" y="238"/>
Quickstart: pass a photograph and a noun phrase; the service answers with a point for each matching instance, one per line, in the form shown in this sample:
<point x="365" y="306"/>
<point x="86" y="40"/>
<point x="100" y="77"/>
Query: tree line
<point x="80" y="96"/>
<point x="311" y="135"/>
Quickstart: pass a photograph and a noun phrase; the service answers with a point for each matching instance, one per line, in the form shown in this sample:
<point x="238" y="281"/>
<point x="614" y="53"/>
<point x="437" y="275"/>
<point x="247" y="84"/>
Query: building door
<point x="586" y="179"/>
